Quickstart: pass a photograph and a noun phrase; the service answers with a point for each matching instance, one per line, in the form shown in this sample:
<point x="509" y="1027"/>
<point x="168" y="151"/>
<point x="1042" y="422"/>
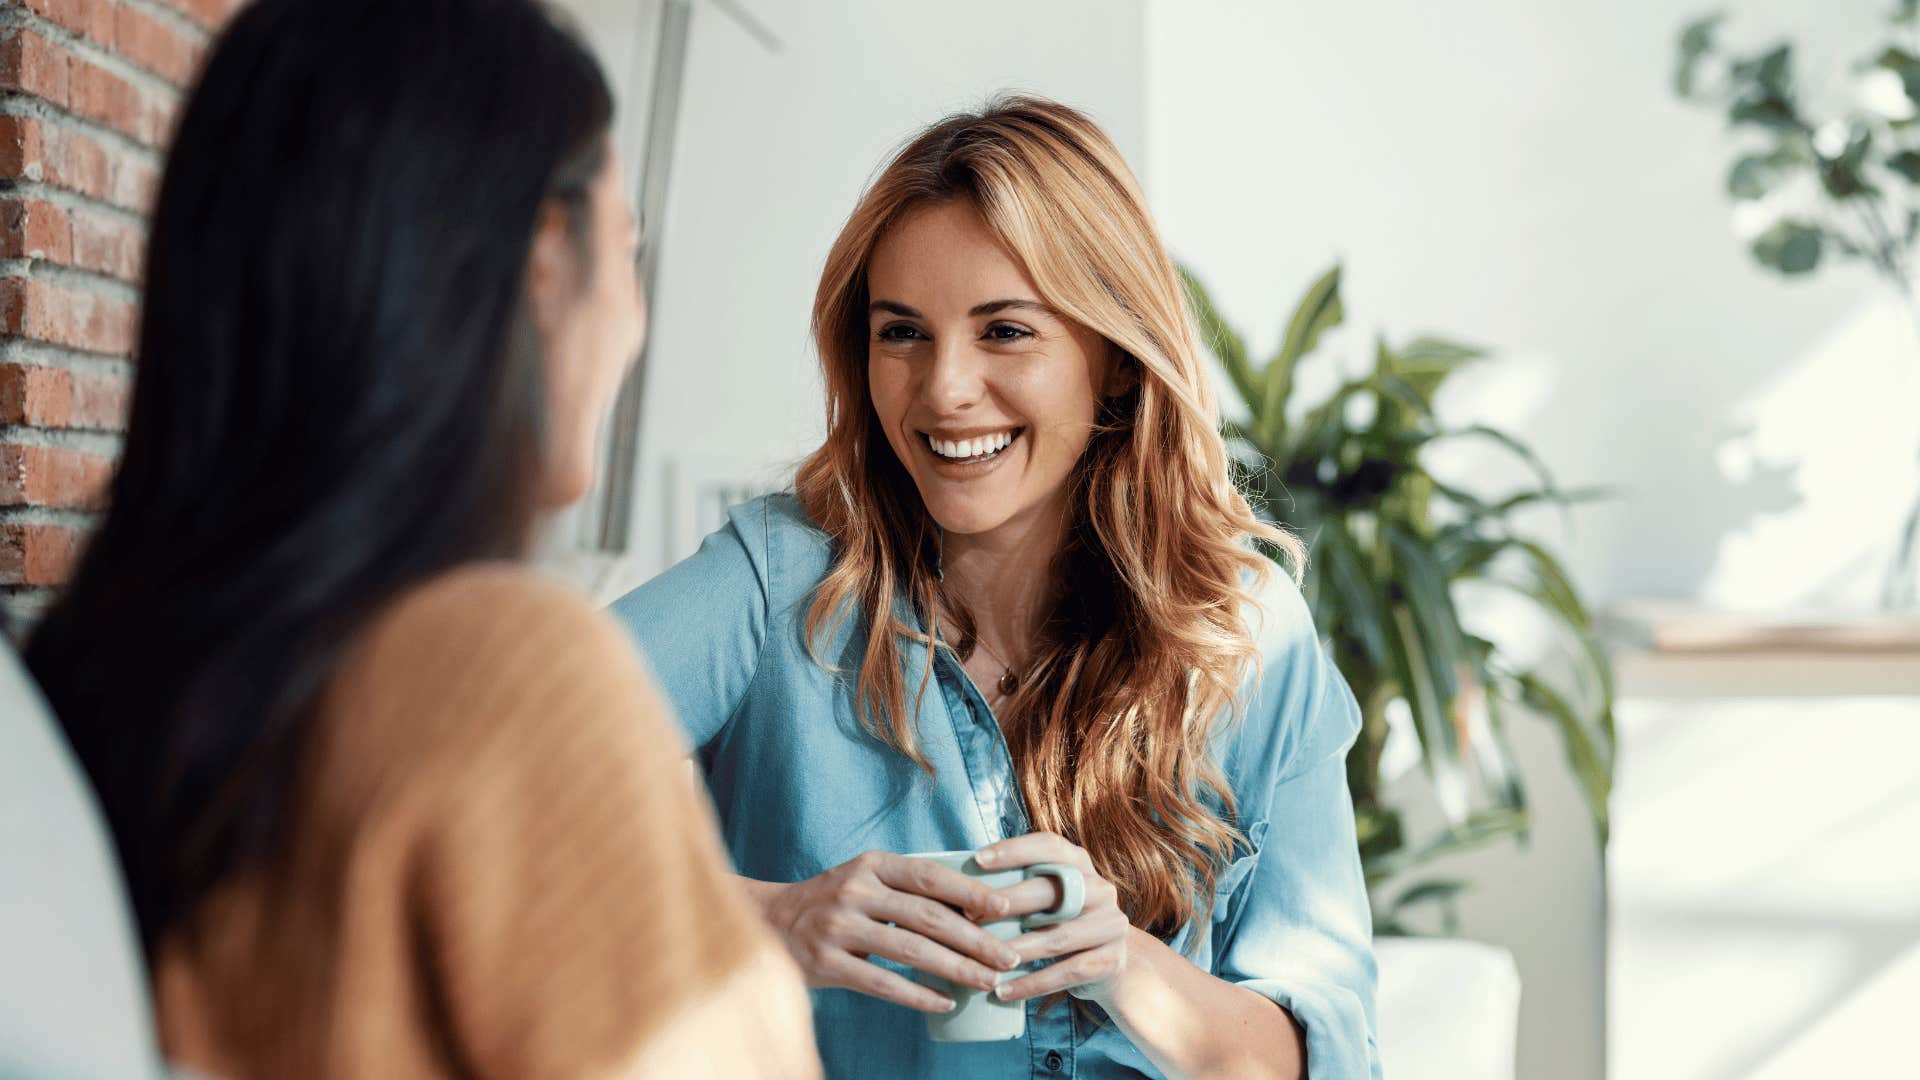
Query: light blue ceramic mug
<point x="978" y="1016"/>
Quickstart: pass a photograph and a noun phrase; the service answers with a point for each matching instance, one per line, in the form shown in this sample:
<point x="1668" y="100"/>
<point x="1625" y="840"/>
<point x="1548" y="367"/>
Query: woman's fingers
<point x="922" y="954"/>
<point x="923" y="877"/>
<point x="1042" y="894"/>
<point x="935" y="920"/>
<point x="1037" y="847"/>
<point x="1087" y="932"/>
<point x="1033" y="896"/>
<point x="873" y="980"/>
<point x="1092" y="966"/>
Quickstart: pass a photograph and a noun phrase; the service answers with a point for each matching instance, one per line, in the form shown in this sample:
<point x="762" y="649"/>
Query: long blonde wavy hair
<point x="1145" y="654"/>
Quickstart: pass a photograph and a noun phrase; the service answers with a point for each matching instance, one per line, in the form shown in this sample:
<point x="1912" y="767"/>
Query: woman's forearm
<point x="1192" y="1025"/>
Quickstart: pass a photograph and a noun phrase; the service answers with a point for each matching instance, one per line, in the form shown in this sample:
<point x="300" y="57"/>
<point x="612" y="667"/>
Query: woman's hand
<point x="1094" y="945"/>
<point x="882" y="904"/>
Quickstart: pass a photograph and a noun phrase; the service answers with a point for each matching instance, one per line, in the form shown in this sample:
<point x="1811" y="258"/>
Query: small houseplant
<point x="1388" y="545"/>
<point x="1814" y="188"/>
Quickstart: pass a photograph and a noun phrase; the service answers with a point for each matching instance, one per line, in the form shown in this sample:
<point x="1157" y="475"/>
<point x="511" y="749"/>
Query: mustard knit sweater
<point x="496" y="866"/>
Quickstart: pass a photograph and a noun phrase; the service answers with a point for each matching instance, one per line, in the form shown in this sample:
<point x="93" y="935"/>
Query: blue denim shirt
<point x="800" y="787"/>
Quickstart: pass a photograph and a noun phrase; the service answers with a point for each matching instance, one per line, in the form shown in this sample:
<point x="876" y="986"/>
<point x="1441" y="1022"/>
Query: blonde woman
<point x="1014" y="606"/>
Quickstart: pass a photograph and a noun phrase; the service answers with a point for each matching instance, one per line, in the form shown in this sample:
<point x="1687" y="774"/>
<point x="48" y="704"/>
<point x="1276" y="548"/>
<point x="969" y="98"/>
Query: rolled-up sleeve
<point x="1299" y="930"/>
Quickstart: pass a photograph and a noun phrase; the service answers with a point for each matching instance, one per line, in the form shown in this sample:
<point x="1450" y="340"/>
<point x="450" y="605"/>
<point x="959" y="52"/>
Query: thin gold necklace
<point x="1009" y="682"/>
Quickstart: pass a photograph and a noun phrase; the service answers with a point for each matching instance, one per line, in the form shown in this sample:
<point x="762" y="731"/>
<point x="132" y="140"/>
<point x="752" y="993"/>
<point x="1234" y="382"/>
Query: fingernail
<point x="999" y="905"/>
<point x="949" y="1007"/>
<point x="1003" y="993"/>
<point x="984" y="857"/>
<point x="1009" y="960"/>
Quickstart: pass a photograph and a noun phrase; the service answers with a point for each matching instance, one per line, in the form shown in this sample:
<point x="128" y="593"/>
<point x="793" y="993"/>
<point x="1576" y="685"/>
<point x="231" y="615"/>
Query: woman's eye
<point x="1007" y="332"/>
<point x="898" y="332"/>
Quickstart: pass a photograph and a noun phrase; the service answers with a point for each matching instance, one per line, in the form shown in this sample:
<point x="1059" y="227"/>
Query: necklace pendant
<point x="1008" y="684"/>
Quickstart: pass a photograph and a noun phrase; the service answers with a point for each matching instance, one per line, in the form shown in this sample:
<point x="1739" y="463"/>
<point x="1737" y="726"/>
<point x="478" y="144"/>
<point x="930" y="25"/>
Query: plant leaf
<point x="1482" y="827"/>
<point x="1494" y="756"/>
<point x="1439" y="741"/>
<point x="1696" y="41"/>
<point x="1319" y="310"/>
<point x="1591" y="769"/>
<point x="1430" y="604"/>
<point x="1772" y="113"/>
<point x="1427" y="892"/>
<point x="1790" y="247"/>
<point x="1752" y="177"/>
<point x="1425" y="362"/>
<point x="1227" y="346"/>
<point x="1360" y="608"/>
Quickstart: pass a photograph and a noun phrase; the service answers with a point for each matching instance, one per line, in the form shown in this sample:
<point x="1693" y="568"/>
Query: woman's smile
<point x="969" y="455"/>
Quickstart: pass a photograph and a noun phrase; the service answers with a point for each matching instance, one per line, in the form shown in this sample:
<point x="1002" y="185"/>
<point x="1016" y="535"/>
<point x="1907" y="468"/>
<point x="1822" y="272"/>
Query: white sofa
<point x="73" y="995"/>
<point x="1449" y="1009"/>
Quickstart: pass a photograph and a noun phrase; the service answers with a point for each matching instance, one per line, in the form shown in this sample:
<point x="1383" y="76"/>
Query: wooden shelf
<point x="1673" y="650"/>
<point x="1675" y="628"/>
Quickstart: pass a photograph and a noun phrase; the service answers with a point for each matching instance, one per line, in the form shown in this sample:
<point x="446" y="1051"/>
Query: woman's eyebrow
<point x="994" y="307"/>
<point x="990" y="307"/>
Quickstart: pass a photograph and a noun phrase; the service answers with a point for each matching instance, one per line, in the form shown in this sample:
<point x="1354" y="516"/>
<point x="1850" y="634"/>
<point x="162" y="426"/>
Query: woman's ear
<point x="1123" y="374"/>
<point x="551" y="269"/>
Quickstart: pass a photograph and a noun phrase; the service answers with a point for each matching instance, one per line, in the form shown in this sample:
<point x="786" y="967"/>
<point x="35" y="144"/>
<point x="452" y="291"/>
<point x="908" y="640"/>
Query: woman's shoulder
<point x="1276" y="614"/>
<point x="769" y="550"/>
<point x="1296" y="707"/>
<point x="794" y="553"/>
<point x="480" y="611"/>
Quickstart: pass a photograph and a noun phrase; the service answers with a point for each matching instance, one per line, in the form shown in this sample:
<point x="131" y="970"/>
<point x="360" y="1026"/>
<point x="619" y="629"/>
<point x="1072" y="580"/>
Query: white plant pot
<point x="1449" y="1009"/>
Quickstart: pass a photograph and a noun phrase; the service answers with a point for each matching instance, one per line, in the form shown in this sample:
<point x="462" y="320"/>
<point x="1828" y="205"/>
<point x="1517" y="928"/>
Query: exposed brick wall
<point x="88" y="93"/>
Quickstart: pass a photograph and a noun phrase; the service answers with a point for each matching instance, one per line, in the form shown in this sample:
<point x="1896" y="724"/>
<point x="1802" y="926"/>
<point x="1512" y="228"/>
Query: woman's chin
<point x="972" y="513"/>
<point x="562" y="488"/>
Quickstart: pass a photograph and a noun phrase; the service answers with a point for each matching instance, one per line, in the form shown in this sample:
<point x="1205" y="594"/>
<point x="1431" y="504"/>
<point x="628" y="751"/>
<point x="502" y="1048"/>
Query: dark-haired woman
<point x="387" y="804"/>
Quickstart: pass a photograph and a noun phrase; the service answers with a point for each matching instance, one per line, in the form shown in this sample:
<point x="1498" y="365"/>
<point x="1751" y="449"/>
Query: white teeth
<point x="965" y="449"/>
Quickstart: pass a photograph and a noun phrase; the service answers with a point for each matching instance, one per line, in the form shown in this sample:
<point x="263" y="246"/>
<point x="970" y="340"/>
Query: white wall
<point x="1518" y="174"/>
<point x="774" y="150"/>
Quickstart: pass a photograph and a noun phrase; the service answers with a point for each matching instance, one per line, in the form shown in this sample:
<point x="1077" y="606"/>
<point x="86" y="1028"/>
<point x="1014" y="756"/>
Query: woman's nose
<point x="956" y="379"/>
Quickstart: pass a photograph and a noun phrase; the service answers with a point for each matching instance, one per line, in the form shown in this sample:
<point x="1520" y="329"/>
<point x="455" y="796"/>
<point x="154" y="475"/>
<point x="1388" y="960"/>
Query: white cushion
<point x="1449" y="1009"/>
<point x="73" y="993"/>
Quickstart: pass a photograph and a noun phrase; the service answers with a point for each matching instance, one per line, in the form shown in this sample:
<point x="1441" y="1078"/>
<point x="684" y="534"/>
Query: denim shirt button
<point x="1054" y="1061"/>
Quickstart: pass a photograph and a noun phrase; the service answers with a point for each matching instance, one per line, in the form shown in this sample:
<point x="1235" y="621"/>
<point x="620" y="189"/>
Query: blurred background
<point x="1578" y="341"/>
<point x="1528" y="181"/>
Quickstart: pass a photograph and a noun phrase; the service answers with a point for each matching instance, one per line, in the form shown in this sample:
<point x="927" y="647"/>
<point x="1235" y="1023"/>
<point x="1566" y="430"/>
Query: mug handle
<point x="1073" y="893"/>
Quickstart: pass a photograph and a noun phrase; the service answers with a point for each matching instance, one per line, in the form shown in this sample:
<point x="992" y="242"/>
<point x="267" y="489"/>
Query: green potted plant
<point x="1813" y="188"/>
<point x="1389" y="545"/>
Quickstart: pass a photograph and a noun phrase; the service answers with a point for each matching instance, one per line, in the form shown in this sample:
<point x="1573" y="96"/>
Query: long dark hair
<point x="338" y="395"/>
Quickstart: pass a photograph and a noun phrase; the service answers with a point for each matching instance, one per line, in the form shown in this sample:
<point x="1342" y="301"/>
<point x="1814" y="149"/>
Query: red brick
<point x="106" y="245"/>
<point x="135" y="183"/>
<point x="77" y="163"/>
<point x="208" y="13"/>
<point x="88" y="18"/>
<point x="20" y="148"/>
<point x="37" y="554"/>
<point x="51" y="397"/>
<point x="58" y="315"/>
<point x="53" y="476"/>
<point x="154" y="45"/>
<point x="35" y="229"/>
<point x="33" y="65"/>
<point x="101" y="96"/>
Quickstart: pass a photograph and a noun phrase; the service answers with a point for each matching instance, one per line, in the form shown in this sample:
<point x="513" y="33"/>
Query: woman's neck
<point x="1005" y="578"/>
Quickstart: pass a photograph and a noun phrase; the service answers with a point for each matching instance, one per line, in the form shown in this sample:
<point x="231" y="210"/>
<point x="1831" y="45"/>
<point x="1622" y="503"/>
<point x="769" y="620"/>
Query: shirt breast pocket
<point x="1227" y="887"/>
